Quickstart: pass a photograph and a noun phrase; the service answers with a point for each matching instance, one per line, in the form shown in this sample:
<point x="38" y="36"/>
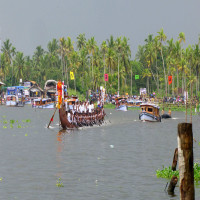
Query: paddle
<point x="52" y="118"/>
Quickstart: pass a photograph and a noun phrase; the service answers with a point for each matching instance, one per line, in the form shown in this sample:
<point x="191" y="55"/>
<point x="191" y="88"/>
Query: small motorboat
<point x="121" y="104"/>
<point x="122" y="107"/>
<point x="11" y="100"/>
<point x="149" y="112"/>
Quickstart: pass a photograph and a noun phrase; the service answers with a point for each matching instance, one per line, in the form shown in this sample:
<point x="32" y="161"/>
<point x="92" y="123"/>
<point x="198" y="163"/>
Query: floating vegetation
<point x="12" y="122"/>
<point x="19" y="126"/>
<point x="5" y="121"/>
<point x="59" y="183"/>
<point x="167" y="173"/>
<point x="26" y="120"/>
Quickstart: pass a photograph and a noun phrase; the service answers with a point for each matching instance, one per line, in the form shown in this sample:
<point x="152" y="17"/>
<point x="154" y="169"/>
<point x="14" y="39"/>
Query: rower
<point x="69" y="116"/>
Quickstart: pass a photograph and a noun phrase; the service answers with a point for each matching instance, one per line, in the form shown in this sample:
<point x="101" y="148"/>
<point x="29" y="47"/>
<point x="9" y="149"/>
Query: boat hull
<point x="51" y="105"/>
<point x="122" y="108"/>
<point x="69" y="125"/>
<point x="11" y="103"/>
<point x="149" y="117"/>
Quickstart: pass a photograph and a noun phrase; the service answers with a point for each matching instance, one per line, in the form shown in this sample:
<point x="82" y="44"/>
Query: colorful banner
<point x="59" y="90"/>
<point x="71" y="75"/>
<point x="106" y="77"/>
<point x="137" y="77"/>
<point x="169" y="80"/>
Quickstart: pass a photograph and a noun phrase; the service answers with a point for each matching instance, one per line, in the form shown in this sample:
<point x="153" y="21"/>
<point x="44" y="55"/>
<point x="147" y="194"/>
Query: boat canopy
<point x="149" y="104"/>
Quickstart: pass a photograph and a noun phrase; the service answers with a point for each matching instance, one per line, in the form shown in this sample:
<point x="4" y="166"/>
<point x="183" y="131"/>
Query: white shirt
<point x="90" y="108"/>
<point x="69" y="117"/>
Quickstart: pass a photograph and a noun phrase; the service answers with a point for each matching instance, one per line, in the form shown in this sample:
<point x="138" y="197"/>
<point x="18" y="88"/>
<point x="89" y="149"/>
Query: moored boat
<point x="133" y="103"/>
<point x="11" y="100"/>
<point x="149" y="112"/>
<point x="42" y="103"/>
<point x="121" y="104"/>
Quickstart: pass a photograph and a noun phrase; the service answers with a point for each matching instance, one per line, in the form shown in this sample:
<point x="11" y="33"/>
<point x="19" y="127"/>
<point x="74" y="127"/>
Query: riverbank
<point x="165" y="106"/>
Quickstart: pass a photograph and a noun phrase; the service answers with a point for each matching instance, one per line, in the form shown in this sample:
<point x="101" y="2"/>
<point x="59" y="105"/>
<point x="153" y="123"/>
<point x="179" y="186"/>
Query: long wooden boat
<point x="43" y="103"/>
<point x="149" y="112"/>
<point x="80" y="119"/>
<point x="133" y="103"/>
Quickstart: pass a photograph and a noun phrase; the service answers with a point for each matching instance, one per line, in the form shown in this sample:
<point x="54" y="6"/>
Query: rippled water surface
<point x="115" y="161"/>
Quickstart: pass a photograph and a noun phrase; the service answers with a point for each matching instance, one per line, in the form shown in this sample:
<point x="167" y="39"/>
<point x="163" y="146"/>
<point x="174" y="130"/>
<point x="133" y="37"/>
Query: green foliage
<point x="167" y="173"/>
<point x="14" y="123"/>
<point x="153" y="62"/>
<point x="59" y="183"/>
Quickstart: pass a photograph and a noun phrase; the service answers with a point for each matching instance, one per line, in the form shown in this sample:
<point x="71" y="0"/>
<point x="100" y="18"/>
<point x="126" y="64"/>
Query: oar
<point x="52" y="118"/>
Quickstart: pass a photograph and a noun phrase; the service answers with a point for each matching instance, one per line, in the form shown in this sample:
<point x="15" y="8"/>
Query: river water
<point x="115" y="161"/>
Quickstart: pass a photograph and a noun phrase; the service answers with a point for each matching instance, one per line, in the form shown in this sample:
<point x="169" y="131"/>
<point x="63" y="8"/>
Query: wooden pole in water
<point x="174" y="179"/>
<point x="185" y="157"/>
<point x="175" y="159"/>
<point x="172" y="185"/>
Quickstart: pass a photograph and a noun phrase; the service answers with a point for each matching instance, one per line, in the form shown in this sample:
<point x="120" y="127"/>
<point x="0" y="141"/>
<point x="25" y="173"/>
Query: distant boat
<point x="11" y="100"/>
<point x="149" y="112"/>
<point x="121" y="104"/>
<point x="43" y="103"/>
<point x="122" y="108"/>
<point x="133" y="103"/>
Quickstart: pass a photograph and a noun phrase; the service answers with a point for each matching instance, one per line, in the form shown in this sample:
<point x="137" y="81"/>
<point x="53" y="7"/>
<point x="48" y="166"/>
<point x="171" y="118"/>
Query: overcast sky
<point x="29" y="23"/>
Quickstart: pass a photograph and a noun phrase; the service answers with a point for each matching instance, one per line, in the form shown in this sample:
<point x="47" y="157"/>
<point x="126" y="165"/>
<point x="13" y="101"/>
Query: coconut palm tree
<point x="81" y="41"/>
<point x="118" y="46"/>
<point x="91" y="45"/>
<point x="181" y="39"/>
<point x="104" y="50"/>
<point x="162" y="37"/>
<point x="19" y="66"/>
<point x="74" y="64"/>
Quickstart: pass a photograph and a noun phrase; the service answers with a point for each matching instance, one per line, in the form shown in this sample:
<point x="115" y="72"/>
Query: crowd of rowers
<point x="84" y="113"/>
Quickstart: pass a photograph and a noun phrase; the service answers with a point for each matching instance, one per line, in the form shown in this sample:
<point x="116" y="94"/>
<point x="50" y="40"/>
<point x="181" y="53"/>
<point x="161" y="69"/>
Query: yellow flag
<point x="71" y="75"/>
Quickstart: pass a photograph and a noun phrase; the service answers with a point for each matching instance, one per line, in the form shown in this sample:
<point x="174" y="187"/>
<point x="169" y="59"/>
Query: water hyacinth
<point x="167" y="173"/>
<point x="11" y="123"/>
<point x="59" y="183"/>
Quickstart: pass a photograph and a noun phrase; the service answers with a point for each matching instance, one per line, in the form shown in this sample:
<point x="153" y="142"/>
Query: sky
<point x="30" y="23"/>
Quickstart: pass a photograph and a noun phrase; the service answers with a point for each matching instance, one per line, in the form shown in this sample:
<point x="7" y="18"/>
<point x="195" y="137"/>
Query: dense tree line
<point x="154" y="62"/>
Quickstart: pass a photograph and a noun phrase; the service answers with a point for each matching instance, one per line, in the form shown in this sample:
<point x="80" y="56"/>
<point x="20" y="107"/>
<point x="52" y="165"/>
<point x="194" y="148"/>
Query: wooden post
<point x="172" y="185"/>
<point x="175" y="159"/>
<point x="185" y="157"/>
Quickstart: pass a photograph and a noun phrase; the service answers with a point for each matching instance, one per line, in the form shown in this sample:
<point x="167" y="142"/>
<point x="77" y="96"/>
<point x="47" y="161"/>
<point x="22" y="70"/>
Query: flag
<point x="169" y="80"/>
<point x="137" y="77"/>
<point x="106" y="77"/>
<point x="71" y="75"/>
<point x="52" y="119"/>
